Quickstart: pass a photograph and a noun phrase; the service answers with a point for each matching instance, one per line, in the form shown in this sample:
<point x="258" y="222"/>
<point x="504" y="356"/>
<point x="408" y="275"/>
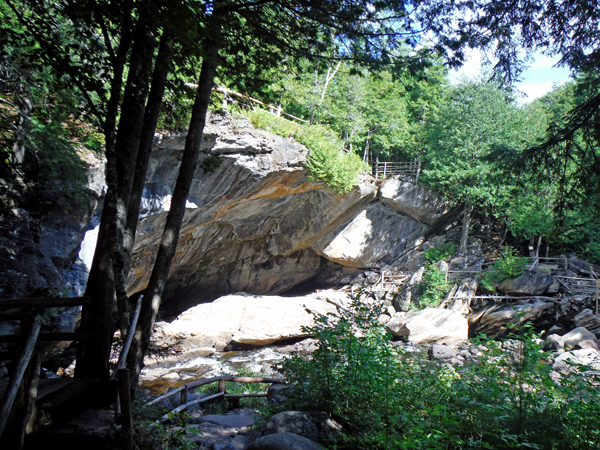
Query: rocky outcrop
<point x="256" y="223"/>
<point x="492" y="320"/>
<point x="528" y="283"/>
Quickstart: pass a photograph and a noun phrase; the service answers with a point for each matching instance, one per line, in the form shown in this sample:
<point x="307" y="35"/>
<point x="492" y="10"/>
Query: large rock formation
<point x="256" y="223"/>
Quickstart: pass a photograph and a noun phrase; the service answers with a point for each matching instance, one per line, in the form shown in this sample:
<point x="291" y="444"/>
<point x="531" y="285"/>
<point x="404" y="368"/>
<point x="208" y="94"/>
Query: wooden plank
<point x="245" y="395"/>
<point x="206" y="381"/>
<point x="46" y="337"/>
<point x="126" y="415"/>
<point x="44" y="302"/>
<point x="187" y="405"/>
<point x="15" y="380"/>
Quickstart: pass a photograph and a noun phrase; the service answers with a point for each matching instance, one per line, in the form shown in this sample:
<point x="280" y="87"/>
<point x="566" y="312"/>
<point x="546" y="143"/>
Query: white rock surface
<point x="247" y="320"/>
<point x="433" y="325"/>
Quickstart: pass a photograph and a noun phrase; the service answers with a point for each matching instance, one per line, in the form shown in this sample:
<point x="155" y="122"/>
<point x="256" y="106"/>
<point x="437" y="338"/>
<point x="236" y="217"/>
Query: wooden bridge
<point x="48" y="396"/>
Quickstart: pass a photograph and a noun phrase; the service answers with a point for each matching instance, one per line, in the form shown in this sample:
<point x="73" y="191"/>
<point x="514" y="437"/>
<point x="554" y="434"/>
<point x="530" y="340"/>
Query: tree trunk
<point x="467" y="216"/>
<point x="537" y="247"/>
<point x="159" y="81"/>
<point x="25" y="106"/>
<point x="168" y="244"/>
<point x="126" y="147"/>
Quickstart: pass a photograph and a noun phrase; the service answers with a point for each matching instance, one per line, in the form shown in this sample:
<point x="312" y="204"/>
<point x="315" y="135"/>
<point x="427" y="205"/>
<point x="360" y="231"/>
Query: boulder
<point x="492" y="320"/>
<point x="247" y="320"/>
<point x="575" y="336"/>
<point x="434" y="325"/>
<point x="316" y="426"/>
<point x="437" y="351"/>
<point x="418" y="201"/>
<point x="528" y="283"/>
<point x="587" y="319"/>
<point x="466" y="263"/>
<point x="554" y="343"/>
<point x="588" y="343"/>
<point x="284" y="441"/>
<point x="376" y="236"/>
<point x="277" y="393"/>
<point x="402" y="302"/>
<point x="567" y="362"/>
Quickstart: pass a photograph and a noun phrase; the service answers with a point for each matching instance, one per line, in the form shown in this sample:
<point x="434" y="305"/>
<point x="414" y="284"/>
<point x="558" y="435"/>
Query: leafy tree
<point x="474" y="118"/>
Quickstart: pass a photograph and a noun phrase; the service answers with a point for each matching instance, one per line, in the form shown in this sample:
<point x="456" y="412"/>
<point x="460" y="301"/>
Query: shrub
<point x="509" y="265"/>
<point x="327" y="161"/>
<point x="386" y="398"/>
<point x="439" y="253"/>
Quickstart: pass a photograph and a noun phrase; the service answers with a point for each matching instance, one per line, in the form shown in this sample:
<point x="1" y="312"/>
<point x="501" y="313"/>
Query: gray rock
<point x="247" y="320"/>
<point x="284" y="441"/>
<point x="235" y="421"/>
<point x="277" y="393"/>
<point x="575" y="336"/>
<point x="588" y="344"/>
<point x="568" y="361"/>
<point x="430" y="325"/>
<point x="437" y="351"/>
<point x="528" y="283"/>
<point x="492" y="320"/>
<point x="316" y="426"/>
<point x="554" y="342"/>
<point x="587" y="319"/>
<point x="237" y="443"/>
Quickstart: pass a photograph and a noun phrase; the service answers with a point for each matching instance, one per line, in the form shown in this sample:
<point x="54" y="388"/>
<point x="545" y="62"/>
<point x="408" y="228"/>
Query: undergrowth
<point x="386" y="398"/>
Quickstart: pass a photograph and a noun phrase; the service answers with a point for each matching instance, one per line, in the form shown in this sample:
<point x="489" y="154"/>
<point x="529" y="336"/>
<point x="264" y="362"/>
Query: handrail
<point x="129" y="340"/>
<point x="44" y="302"/>
<point x="222" y="391"/>
<point x="17" y="377"/>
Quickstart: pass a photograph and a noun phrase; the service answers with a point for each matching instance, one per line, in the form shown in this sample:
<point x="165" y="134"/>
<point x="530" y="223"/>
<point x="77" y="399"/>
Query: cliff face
<point x="256" y="223"/>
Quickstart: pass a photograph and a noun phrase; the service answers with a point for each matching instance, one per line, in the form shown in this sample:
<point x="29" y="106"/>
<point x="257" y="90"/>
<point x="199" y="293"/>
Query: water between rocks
<point x="159" y="377"/>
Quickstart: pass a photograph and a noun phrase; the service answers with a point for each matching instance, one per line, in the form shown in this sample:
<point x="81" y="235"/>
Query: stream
<point x="158" y="378"/>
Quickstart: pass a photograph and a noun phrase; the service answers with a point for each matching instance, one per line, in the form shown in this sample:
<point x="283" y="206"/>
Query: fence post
<point x="183" y="397"/>
<point x="125" y="400"/>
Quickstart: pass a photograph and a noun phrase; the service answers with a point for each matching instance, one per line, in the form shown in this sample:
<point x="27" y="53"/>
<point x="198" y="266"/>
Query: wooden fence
<point x="222" y="391"/>
<point x="408" y="169"/>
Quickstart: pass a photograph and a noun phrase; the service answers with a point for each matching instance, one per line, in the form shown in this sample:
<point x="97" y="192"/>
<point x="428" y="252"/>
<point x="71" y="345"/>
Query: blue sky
<point x="537" y="80"/>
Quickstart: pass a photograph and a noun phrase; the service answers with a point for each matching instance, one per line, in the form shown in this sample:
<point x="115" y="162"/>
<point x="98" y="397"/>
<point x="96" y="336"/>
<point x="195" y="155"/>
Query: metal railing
<point x="409" y="169"/>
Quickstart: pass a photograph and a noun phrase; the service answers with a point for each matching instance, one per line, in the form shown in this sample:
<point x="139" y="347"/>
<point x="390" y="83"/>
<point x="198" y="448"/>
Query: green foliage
<point x="432" y="288"/>
<point x="508" y="266"/>
<point x="439" y="253"/>
<point x="388" y="399"/>
<point x="149" y="434"/>
<point x="327" y="161"/>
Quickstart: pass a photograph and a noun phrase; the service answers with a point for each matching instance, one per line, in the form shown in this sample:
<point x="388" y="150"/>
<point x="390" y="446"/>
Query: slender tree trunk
<point x="537" y="247"/>
<point x="127" y="146"/>
<point x="92" y="356"/>
<point x="159" y="81"/>
<point x="467" y="216"/>
<point x="168" y="244"/>
<point x="22" y="126"/>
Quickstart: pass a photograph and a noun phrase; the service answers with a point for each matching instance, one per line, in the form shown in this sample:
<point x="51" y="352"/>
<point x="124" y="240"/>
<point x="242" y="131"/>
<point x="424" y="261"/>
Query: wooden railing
<point x="25" y="310"/>
<point x="222" y="391"/>
<point x="409" y="169"/>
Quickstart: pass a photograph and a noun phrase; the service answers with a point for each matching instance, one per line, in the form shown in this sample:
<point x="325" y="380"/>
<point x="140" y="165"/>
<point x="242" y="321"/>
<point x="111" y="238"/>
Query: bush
<point x="432" y="288"/>
<point x="507" y="267"/>
<point x="326" y="161"/>
<point x="386" y="398"/>
<point x="439" y="253"/>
